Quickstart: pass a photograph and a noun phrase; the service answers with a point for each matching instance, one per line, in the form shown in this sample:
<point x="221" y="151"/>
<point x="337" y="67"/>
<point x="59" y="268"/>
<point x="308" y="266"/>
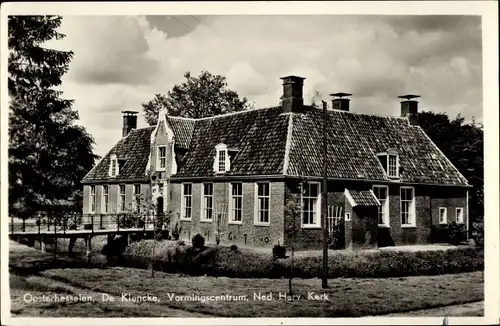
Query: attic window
<point x="162" y="158"/>
<point x="114" y="168"/>
<point x="390" y="163"/>
<point x="221" y="160"/>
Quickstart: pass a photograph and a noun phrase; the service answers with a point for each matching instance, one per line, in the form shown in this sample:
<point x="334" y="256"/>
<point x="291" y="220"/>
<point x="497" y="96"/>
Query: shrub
<point x="181" y="243"/>
<point x="198" y="241"/>
<point x="170" y="256"/>
<point x="234" y="247"/>
<point x="478" y="234"/>
<point x="279" y="252"/>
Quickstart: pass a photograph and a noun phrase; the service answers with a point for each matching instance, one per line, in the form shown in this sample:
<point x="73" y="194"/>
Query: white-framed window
<point x="92" y="199"/>
<point x="137" y="198"/>
<point x="221" y="159"/>
<point x="459" y="215"/>
<point x="105" y="198"/>
<point x="186" y="201"/>
<point x="161" y="162"/>
<point x="121" y="198"/>
<point x="347" y="217"/>
<point x="392" y="165"/>
<point x="114" y="168"/>
<point x="407" y="200"/>
<point x="235" y="202"/>
<point x="207" y="201"/>
<point x="311" y="204"/>
<point x="443" y="215"/>
<point x="382" y="194"/>
<point x="262" y="203"/>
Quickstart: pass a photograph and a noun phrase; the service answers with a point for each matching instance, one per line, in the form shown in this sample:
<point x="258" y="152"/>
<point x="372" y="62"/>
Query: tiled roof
<point x="258" y="136"/>
<point x="361" y="198"/>
<point x="264" y="145"/>
<point x="353" y="141"/>
<point x="134" y="149"/>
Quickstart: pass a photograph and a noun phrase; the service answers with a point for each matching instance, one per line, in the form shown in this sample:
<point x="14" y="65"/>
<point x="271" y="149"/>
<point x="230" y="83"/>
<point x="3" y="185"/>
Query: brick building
<point x="234" y="172"/>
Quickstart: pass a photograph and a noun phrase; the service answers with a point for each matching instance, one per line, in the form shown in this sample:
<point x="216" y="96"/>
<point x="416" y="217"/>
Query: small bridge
<point x="43" y="229"/>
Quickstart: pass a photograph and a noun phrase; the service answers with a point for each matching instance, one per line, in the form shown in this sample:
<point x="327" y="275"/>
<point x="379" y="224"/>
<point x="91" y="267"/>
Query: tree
<point x="292" y="214"/>
<point x="48" y="154"/>
<point x="197" y="97"/>
<point x="462" y="143"/>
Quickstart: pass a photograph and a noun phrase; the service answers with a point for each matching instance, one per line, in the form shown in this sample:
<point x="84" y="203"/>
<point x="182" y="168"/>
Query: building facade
<point x="234" y="174"/>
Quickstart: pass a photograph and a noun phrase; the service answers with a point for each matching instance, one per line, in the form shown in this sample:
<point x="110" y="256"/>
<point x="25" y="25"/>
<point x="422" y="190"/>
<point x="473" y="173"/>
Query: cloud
<point x="120" y="62"/>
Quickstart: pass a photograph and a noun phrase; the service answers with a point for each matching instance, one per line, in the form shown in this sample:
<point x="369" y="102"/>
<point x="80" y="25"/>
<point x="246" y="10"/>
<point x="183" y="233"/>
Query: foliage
<point x="279" y="252"/>
<point x="222" y="261"/>
<point x="48" y="153"/>
<point x="197" y="97"/>
<point x="452" y="233"/>
<point x="198" y="241"/>
<point x="233" y="247"/>
<point x="462" y="143"/>
<point x="478" y="234"/>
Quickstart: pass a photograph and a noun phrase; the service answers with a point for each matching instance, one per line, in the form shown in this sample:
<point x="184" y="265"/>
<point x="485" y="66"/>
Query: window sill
<point x="408" y="226"/>
<point x="306" y="226"/>
<point x="235" y="222"/>
<point x="202" y="220"/>
<point x="384" y="226"/>
<point x="185" y="219"/>
<point x="443" y="223"/>
<point x="261" y="224"/>
<point x="161" y="169"/>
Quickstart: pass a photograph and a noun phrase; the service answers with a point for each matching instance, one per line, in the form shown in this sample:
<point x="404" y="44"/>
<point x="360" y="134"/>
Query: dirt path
<point x="461" y="310"/>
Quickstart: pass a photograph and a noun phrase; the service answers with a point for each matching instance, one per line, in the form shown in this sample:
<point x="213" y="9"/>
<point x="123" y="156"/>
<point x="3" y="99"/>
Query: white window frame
<point x="221" y="148"/>
<point x="256" y="204"/>
<point x="461" y="215"/>
<point x="232" y="203"/>
<point x="160" y="158"/>
<point x="114" y="166"/>
<point x="317" y="222"/>
<point x="204" y="209"/>
<point x="183" y="202"/>
<point x="120" y="203"/>
<point x="135" y="205"/>
<point x="105" y="199"/>
<point x="92" y="201"/>
<point x="412" y="218"/>
<point x="384" y="207"/>
<point x="445" y="210"/>
<point x="396" y="163"/>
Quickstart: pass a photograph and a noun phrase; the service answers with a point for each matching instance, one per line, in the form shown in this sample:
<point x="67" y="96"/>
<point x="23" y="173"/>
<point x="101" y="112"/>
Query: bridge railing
<point x="92" y="222"/>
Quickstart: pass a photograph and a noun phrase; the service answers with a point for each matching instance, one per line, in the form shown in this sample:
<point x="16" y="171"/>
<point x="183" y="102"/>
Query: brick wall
<point x="244" y="233"/>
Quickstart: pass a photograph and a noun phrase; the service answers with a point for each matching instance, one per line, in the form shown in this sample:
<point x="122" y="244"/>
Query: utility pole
<point x="324" y="202"/>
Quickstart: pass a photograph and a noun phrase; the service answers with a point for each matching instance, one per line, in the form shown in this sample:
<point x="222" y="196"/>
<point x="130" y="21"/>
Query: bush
<point x="234" y="247"/>
<point x="451" y="233"/>
<point x="478" y="234"/>
<point x="172" y="257"/>
<point x="181" y="243"/>
<point x="198" y="241"/>
<point x="279" y="252"/>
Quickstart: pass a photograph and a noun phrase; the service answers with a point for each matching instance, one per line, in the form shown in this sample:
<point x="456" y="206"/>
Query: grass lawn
<point x="346" y="296"/>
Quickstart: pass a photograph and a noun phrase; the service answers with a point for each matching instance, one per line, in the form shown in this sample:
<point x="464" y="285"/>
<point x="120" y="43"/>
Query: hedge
<point x="222" y="261"/>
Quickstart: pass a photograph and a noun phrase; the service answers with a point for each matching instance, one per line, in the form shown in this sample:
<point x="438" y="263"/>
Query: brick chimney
<point x="409" y="108"/>
<point x="339" y="101"/>
<point x="292" y="100"/>
<point x="129" y="122"/>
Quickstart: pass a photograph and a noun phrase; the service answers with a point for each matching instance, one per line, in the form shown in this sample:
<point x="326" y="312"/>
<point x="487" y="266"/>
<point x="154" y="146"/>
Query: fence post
<point x="39" y="223"/>
<point x="55" y="239"/>
<point x="100" y="222"/>
<point x="118" y="222"/>
<point x="92" y="222"/>
<point x="12" y="224"/>
<point x="24" y="224"/>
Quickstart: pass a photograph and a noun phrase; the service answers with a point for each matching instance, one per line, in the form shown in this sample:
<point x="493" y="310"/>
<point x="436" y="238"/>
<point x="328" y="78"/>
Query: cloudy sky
<point x="122" y="61"/>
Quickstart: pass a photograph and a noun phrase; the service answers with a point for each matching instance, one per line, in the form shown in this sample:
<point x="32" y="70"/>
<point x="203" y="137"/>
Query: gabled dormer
<point x="162" y="155"/>
<point x="222" y="162"/>
<point x="114" y="167"/>
<point x="390" y="162"/>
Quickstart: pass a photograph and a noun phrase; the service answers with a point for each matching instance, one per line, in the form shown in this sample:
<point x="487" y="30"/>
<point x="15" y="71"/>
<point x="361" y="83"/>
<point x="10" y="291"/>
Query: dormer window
<point x="390" y="163"/>
<point x="221" y="160"/>
<point x="161" y="163"/>
<point x="114" y="168"/>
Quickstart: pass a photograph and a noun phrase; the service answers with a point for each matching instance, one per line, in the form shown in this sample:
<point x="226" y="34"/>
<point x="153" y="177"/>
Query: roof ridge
<point x="225" y="114"/>
<point x="358" y="113"/>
